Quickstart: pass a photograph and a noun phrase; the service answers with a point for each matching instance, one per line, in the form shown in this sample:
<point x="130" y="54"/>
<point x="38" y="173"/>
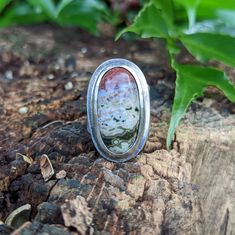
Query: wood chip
<point x="77" y="214"/>
<point x="19" y="216"/>
<point x="46" y="167"/>
<point x="4" y="183"/>
<point x="23" y="226"/>
<point x="27" y="159"/>
<point x="61" y="174"/>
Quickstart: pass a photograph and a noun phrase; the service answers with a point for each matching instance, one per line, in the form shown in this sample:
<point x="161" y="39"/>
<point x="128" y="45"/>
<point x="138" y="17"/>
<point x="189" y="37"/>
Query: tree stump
<point x="207" y="140"/>
<point x="188" y="190"/>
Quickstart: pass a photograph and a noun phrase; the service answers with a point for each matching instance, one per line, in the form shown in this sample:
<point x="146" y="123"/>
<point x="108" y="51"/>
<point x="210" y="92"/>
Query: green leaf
<point x="191" y="9"/>
<point x="3" y="4"/>
<point x="167" y="11"/>
<point x="21" y="13"/>
<point x="148" y="23"/>
<point x="187" y="4"/>
<point x="201" y="10"/>
<point x="46" y="6"/>
<point x="62" y="4"/>
<point x="86" y="14"/>
<point x="217" y="4"/>
<point x="206" y="46"/>
<point x="190" y="84"/>
<point x="226" y="16"/>
<point x="213" y="27"/>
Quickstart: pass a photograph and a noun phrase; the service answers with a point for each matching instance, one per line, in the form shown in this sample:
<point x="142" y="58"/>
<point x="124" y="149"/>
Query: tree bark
<point x="151" y="194"/>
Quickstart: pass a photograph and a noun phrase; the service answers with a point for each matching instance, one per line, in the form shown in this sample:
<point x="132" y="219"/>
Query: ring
<point x="118" y="110"/>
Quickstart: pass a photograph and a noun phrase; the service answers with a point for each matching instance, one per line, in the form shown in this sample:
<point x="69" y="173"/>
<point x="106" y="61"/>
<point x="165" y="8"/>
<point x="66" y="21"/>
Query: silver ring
<point x="118" y="110"/>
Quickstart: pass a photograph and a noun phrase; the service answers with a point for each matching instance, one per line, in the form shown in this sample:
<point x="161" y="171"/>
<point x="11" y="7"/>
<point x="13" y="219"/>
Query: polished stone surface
<point x="118" y="110"/>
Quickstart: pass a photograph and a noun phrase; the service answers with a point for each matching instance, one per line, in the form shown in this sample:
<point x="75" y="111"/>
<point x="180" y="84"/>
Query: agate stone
<point x="118" y="110"/>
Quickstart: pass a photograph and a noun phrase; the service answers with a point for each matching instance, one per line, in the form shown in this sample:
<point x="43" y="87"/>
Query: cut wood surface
<point x="43" y="82"/>
<point x="208" y="141"/>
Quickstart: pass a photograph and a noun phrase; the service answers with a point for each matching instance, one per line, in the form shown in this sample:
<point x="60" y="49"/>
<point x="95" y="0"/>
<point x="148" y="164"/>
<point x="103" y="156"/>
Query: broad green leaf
<point x="148" y="23"/>
<point x="46" y="6"/>
<point x="214" y="27"/>
<point x="205" y="5"/>
<point x="206" y="46"/>
<point x="226" y="16"/>
<point x="202" y="10"/>
<point x="62" y="4"/>
<point x="217" y="4"/>
<point x="21" y="13"/>
<point x="190" y="83"/>
<point x="86" y="14"/>
<point x="208" y="9"/>
<point x="188" y="3"/>
<point x="167" y="11"/>
<point x="3" y="4"/>
<point x="191" y="9"/>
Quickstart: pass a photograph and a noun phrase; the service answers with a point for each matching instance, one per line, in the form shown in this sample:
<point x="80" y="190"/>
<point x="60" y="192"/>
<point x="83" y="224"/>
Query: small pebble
<point x="83" y="50"/>
<point x="74" y="75"/>
<point x="9" y="75"/>
<point x="61" y="62"/>
<point x="51" y="76"/>
<point x="102" y="50"/>
<point x="61" y="174"/>
<point x="115" y="52"/>
<point x="70" y="63"/>
<point x="23" y="110"/>
<point x="68" y="86"/>
<point x="57" y="67"/>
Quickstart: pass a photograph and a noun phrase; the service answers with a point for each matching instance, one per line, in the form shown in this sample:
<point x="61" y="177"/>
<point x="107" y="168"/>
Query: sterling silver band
<point x="144" y="116"/>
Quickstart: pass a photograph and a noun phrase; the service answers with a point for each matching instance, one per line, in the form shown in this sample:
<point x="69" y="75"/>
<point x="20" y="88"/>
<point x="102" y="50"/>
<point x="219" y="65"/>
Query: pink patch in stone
<point x="118" y="109"/>
<point x="114" y="77"/>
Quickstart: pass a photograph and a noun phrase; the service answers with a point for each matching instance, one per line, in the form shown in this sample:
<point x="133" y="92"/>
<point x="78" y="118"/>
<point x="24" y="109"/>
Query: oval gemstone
<point x="118" y="110"/>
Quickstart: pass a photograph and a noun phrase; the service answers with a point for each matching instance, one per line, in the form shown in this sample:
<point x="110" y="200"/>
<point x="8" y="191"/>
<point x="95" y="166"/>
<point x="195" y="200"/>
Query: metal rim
<point x="92" y="95"/>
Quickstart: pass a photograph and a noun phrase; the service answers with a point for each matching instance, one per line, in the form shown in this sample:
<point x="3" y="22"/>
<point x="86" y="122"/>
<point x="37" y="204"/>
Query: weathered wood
<point x="42" y="113"/>
<point x="207" y="139"/>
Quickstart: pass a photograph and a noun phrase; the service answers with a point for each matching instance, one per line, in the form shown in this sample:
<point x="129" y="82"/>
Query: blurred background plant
<point x="204" y="28"/>
<point x="86" y="14"/>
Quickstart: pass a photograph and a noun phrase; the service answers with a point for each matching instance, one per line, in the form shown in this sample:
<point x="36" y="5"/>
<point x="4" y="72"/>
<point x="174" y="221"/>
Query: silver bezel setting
<point x="92" y="119"/>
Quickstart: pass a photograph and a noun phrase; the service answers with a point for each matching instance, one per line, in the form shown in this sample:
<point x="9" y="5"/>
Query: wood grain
<point x="207" y="139"/>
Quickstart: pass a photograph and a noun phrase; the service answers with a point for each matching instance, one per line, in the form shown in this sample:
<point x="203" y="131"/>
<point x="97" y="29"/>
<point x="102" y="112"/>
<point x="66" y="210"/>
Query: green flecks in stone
<point x="121" y="128"/>
<point x="115" y="119"/>
<point x="118" y="110"/>
<point x="128" y="137"/>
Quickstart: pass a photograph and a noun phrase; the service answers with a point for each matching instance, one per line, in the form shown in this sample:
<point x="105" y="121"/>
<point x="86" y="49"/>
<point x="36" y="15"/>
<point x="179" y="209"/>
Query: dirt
<point x="44" y="73"/>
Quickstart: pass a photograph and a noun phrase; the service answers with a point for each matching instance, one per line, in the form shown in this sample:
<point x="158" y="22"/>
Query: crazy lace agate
<point x="118" y="110"/>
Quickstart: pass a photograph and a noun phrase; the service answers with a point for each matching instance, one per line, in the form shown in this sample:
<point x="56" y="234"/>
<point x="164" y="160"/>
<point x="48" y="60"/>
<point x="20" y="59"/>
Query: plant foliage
<point x="206" y="29"/>
<point x="83" y="13"/>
